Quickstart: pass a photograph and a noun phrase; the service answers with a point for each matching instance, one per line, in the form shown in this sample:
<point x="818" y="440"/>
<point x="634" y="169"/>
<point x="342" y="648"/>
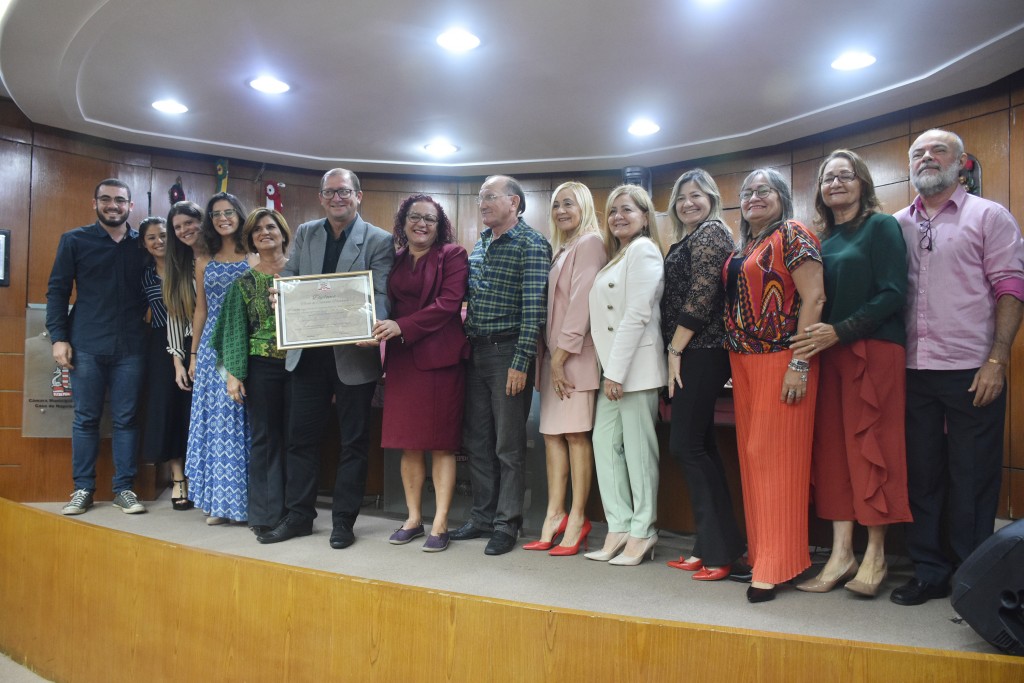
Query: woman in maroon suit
<point x="423" y="360"/>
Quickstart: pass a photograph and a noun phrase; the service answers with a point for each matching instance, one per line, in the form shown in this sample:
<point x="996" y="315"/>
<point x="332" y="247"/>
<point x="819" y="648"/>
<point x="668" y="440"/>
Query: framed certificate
<point x="324" y="310"/>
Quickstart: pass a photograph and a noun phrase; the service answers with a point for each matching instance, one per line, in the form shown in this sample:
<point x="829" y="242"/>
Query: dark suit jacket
<point x="434" y="332"/>
<point x="366" y="248"/>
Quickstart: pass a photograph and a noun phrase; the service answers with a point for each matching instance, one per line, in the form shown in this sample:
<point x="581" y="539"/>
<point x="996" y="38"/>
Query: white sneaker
<point x="128" y="503"/>
<point x="81" y="500"/>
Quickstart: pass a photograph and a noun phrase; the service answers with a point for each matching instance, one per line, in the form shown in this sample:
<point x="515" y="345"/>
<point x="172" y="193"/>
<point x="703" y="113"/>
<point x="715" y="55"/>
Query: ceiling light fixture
<point x="642" y="127"/>
<point x="457" y="40"/>
<point x="269" y="84"/>
<point x="170" y="106"/>
<point x="440" y="148"/>
<point x="851" y="61"/>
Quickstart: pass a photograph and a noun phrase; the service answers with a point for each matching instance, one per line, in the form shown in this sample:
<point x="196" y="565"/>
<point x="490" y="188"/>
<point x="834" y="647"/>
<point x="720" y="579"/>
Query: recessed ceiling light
<point x="440" y="148"/>
<point x="269" y="84"/>
<point x="457" y="40"/>
<point x="850" y="61"/>
<point x="642" y="127"/>
<point x="170" y="106"/>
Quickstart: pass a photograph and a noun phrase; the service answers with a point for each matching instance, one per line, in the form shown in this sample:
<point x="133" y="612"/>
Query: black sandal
<point x="183" y="503"/>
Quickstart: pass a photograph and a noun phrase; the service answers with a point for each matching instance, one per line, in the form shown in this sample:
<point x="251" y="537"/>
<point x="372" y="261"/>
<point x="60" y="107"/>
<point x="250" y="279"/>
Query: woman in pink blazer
<point x="568" y="374"/>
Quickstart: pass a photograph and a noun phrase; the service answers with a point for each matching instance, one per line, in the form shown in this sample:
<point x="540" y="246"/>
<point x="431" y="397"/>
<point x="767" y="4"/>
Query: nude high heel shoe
<point x="602" y="556"/>
<point x="625" y="560"/>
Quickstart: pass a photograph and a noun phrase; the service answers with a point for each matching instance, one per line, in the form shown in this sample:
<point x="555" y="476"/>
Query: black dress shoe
<point x="741" y="572"/>
<point x="466" y="532"/>
<point x="760" y="594"/>
<point x="342" y="536"/>
<point x="500" y="543"/>
<point x="915" y="592"/>
<point x="285" y="531"/>
<point x="260" y="529"/>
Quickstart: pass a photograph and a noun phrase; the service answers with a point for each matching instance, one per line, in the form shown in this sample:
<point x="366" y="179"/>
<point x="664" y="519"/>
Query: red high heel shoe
<point x="565" y="550"/>
<point x="546" y="545"/>
<point x="706" y="574"/>
<point x="681" y="563"/>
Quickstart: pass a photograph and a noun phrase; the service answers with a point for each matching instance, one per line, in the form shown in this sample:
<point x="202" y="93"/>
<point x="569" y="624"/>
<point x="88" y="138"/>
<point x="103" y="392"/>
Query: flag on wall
<point x="272" y="190"/>
<point x="222" y="176"/>
<point x="177" y="192"/>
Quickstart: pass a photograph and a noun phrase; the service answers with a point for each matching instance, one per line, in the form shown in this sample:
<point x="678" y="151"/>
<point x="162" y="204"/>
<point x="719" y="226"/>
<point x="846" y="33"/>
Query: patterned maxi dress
<point x="216" y="462"/>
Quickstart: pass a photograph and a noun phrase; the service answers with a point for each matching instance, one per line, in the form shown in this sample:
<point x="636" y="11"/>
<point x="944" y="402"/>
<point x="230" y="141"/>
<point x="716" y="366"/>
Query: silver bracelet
<point x="673" y="351"/>
<point x="799" y="365"/>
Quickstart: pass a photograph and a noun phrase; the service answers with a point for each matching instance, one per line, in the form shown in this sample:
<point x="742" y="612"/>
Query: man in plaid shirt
<point x="507" y="305"/>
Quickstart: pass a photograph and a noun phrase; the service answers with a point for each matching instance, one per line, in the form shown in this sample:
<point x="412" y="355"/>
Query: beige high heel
<point x="819" y="585"/>
<point x="866" y="589"/>
<point x="625" y="560"/>
<point x="602" y="556"/>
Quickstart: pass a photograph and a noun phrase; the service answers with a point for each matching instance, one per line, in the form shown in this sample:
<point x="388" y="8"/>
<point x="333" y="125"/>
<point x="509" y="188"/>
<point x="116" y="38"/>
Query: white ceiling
<point x="553" y="86"/>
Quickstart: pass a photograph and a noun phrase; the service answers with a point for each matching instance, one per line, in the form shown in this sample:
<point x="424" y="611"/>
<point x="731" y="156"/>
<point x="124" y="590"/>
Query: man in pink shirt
<point x="965" y="288"/>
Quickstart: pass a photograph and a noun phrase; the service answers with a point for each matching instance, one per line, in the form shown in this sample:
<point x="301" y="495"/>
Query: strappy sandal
<point x="183" y="503"/>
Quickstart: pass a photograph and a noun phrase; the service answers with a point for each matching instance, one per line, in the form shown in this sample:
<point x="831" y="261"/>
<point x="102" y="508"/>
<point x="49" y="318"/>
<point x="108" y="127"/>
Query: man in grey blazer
<point x="342" y="242"/>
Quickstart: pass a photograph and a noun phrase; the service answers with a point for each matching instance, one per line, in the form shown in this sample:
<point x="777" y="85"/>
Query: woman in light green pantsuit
<point x="625" y="323"/>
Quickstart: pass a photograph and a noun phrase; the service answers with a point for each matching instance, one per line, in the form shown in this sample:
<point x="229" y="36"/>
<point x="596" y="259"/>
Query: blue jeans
<point x="494" y="438"/>
<point x="90" y="379"/>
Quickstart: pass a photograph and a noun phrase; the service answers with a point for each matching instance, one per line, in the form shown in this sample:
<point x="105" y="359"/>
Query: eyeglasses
<point x="489" y="197"/>
<point x="107" y="199"/>
<point x="344" y="193"/>
<point x="761" y="192"/>
<point x="226" y="213"/>
<point x="843" y="177"/>
<point x="416" y="218"/>
<point x="927" y="235"/>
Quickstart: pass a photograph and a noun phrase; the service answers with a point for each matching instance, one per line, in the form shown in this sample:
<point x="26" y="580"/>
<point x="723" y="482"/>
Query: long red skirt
<point x="774" y="442"/>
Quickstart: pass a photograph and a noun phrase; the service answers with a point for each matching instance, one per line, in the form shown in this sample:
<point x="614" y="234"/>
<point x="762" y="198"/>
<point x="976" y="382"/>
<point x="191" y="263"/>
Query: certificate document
<point x="324" y="310"/>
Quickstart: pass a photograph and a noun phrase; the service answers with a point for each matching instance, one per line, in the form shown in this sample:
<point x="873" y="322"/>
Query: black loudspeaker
<point x="638" y="175"/>
<point x="988" y="589"/>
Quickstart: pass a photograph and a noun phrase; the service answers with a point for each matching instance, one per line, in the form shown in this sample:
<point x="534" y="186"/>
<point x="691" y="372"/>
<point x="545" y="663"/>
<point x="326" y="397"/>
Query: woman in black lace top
<point x="698" y="366"/>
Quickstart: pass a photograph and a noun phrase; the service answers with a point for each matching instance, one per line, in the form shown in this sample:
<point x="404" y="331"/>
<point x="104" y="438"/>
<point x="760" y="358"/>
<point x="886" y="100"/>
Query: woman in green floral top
<point x="246" y="344"/>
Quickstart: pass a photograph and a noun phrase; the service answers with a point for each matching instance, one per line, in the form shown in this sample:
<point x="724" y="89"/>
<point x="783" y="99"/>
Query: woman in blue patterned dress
<point x="218" y="441"/>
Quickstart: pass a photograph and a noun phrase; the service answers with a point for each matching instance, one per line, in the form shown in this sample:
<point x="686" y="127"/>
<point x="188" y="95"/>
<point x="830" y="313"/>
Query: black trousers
<point x="692" y="443"/>
<point x="266" y="402"/>
<point x="313" y="383"/>
<point x="953" y="449"/>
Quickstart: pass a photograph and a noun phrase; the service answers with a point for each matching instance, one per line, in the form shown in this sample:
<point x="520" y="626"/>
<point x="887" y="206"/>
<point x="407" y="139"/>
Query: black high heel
<point x="760" y="594"/>
<point x="183" y="503"/>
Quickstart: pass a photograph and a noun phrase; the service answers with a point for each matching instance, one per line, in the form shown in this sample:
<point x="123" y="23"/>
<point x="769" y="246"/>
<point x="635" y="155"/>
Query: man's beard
<point x="935" y="183"/>
<point x="111" y="222"/>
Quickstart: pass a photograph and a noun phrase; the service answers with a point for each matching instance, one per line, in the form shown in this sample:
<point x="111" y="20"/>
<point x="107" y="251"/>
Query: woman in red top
<point x="774" y="288"/>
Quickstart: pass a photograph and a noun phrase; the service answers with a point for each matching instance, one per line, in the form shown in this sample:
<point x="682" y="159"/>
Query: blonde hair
<point x="588" y="215"/>
<point x="643" y="202"/>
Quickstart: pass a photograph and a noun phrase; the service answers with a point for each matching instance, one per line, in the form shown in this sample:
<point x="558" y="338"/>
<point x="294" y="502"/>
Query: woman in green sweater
<point x="246" y="343"/>
<point x="859" y="469"/>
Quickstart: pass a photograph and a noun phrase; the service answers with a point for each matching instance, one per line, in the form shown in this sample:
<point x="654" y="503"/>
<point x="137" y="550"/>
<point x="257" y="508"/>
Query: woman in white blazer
<point x="625" y="324"/>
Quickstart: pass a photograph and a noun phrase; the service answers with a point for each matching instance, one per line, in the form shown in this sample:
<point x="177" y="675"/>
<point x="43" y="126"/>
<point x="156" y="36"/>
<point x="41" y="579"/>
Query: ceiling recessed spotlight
<point x="850" y="61"/>
<point x="440" y="148"/>
<point x="457" y="40"/>
<point x="269" y="84"/>
<point x="642" y="127"/>
<point x="170" y="106"/>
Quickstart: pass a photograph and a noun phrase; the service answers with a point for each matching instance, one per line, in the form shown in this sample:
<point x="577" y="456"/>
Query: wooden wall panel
<point x="15" y="191"/>
<point x="12" y="333"/>
<point x="80" y="615"/>
<point x="62" y="200"/>
<point x="946" y="112"/>
<point x="14" y="126"/>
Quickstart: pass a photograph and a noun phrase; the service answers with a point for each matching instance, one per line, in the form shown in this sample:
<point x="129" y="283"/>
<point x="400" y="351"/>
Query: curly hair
<point x="445" y="234"/>
<point x="211" y="236"/>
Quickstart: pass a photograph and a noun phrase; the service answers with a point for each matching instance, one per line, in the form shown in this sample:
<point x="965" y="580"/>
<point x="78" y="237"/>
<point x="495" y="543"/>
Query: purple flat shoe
<point x="403" y="536"/>
<point x="436" y="544"/>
